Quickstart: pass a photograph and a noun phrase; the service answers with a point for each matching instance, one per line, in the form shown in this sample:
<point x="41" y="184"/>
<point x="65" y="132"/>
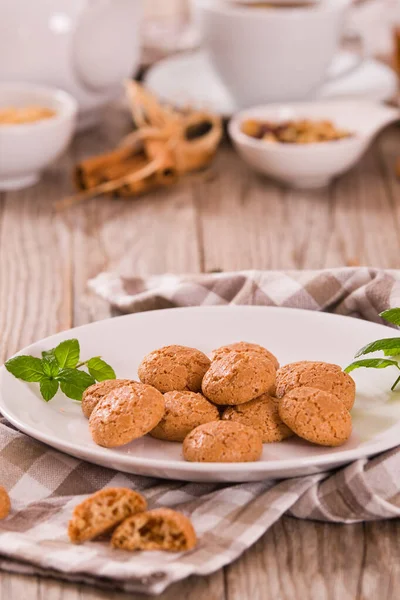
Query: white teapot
<point x="86" y="47"/>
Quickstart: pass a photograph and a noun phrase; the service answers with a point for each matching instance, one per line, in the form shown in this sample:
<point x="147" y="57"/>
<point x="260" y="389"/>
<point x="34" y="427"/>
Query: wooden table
<point x="228" y="218"/>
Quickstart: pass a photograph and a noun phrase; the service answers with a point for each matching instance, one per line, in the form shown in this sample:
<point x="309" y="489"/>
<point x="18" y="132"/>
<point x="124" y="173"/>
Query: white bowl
<point x="26" y="149"/>
<point x="311" y="165"/>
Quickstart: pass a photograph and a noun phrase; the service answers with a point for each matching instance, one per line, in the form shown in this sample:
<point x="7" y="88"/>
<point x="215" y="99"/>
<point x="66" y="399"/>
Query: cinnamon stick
<point x="87" y="173"/>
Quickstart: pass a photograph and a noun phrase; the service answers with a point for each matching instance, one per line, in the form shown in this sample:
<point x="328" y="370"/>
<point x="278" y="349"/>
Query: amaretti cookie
<point x="5" y="504"/>
<point x="316" y="415"/>
<point x="158" y="529"/>
<point x="222" y="441"/>
<point x="174" y="368"/>
<point x="93" y="394"/>
<point x="183" y="412"/>
<point x="102" y="512"/>
<point x="244" y="347"/>
<point x="238" y="377"/>
<point x="262" y="414"/>
<point x="126" y="413"/>
<point x="320" y="375"/>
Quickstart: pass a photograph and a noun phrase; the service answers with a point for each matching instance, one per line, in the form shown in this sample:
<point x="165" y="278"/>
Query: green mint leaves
<point x="389" y="346"/>
<point x="99" y="369"/>
<point x="74" y="382"/>
<point x="60" y="368"/>
<point x="67" y="354"/>
<point x="27" y="368"/>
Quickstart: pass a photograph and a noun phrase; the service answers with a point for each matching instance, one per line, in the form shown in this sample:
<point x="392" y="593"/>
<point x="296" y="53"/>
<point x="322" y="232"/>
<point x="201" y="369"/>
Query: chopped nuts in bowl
<point x="306" y="145"/>
<point x="302" y="131"/>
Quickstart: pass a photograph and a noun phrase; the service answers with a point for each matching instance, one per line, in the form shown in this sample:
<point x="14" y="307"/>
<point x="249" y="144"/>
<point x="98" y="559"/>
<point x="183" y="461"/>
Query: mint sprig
<point x="389" y="346"/>
<point x="60" y="368"/>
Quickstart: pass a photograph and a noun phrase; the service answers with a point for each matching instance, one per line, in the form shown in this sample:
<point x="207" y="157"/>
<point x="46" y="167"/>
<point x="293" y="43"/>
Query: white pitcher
<point x="83" y="46"/>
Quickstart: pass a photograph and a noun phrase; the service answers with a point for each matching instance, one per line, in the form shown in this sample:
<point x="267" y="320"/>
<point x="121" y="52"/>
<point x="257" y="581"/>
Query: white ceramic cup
<point x="271" y="54"/>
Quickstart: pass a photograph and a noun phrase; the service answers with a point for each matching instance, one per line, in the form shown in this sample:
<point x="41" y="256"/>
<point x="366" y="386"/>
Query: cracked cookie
<point x="93" y="394"/>
<point x="222" y="441"/>
<point x="262" y="414"/>
<point x="244" y="347"/>
<point x="102" y="512"/>
<point x="316" y="416"/>
<point x="320" y="375"/>
<point x="183" y="412"/>
<point x="126" y="413"/>
<point x="174" y="368"/>
<point x="238" y="377"/>
<point x="158" y="529"/>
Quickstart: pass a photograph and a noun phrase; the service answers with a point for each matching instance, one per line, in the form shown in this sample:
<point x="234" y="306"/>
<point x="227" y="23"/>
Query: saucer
<point x="190" y="79"/>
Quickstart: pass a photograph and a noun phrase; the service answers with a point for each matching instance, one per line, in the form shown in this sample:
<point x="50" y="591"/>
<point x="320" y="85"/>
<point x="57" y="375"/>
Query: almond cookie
<point x="319" y="375"/>
<point x="244" y="347"/>
<point x="183" y="412"/>
<point x="126" y="413"/>
<point x="103" y="511"/>
<point x="238" y="377"/>
<point x="158" y="529"/>
<point x="223" y="441"/>
<point x="5" y="504"/>
<point x="316" y="416"/>
<point x="92" y="396"/>
<point x="262" y="414"/>
<point x="174" y="368"/>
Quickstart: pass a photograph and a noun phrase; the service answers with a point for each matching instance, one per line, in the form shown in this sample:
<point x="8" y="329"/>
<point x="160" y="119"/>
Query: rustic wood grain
<point x="297" y="560"/>
<point x="250" y="222"/>
<point x="225" y="218"/>
<point x="35" y="265"/>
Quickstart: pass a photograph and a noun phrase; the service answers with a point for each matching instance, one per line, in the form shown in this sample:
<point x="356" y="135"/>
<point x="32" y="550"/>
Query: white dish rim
<point x="67" y="106"/>
<point x="274" y="466"/>
<point x="274" y="11"/>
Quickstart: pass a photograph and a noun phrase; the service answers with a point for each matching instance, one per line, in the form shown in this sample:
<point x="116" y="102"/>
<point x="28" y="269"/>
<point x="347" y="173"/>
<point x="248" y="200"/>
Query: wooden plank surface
<point x="227" y="218"/>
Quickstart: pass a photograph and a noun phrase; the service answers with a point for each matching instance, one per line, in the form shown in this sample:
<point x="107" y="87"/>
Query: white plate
<point x="189" y="79"/>
<point x="291" y="334"/>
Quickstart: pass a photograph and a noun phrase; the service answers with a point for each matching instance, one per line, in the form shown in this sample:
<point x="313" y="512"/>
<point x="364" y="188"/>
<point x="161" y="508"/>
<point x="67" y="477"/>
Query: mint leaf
<point x="48" y="388"/>
<point x="67" y="354"/>
<point x="392" y="352"/>
<point x="73" y="382"/>
<point x="391" y="316"/>
<point x="60" y="367"/>
<point x="99" y="369"/>
<point x="389" y="345"/>
<point x="372" y="363"/>
<point x="50" y="365"/>
<point x="27" y="368"/>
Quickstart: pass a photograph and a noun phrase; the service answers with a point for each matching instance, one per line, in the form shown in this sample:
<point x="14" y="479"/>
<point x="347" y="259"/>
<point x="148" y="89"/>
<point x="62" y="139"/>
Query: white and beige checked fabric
<point x="45" y="485"/>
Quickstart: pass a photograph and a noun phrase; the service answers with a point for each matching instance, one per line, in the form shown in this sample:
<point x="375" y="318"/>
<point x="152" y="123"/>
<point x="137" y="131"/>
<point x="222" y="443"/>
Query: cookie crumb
<point x="158" y="529"/>
<point x="102" y="512"/>
<point x="5" y="503"/>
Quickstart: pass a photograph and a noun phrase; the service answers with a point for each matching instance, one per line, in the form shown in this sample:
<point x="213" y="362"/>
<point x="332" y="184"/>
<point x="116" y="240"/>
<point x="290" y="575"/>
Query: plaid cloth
<point x="45" y="485"/>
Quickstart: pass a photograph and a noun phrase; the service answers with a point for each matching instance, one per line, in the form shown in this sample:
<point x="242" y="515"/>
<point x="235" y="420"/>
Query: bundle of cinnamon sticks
<point x="166" y="144"/>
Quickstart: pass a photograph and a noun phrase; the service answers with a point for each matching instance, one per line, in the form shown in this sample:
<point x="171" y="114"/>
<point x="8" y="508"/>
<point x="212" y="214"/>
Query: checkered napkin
<point x="45" y="485"/>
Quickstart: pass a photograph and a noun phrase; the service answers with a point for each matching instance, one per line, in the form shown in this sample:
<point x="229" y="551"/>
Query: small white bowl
<point x="311" y="165"/>
<point x="26" y="149"/>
